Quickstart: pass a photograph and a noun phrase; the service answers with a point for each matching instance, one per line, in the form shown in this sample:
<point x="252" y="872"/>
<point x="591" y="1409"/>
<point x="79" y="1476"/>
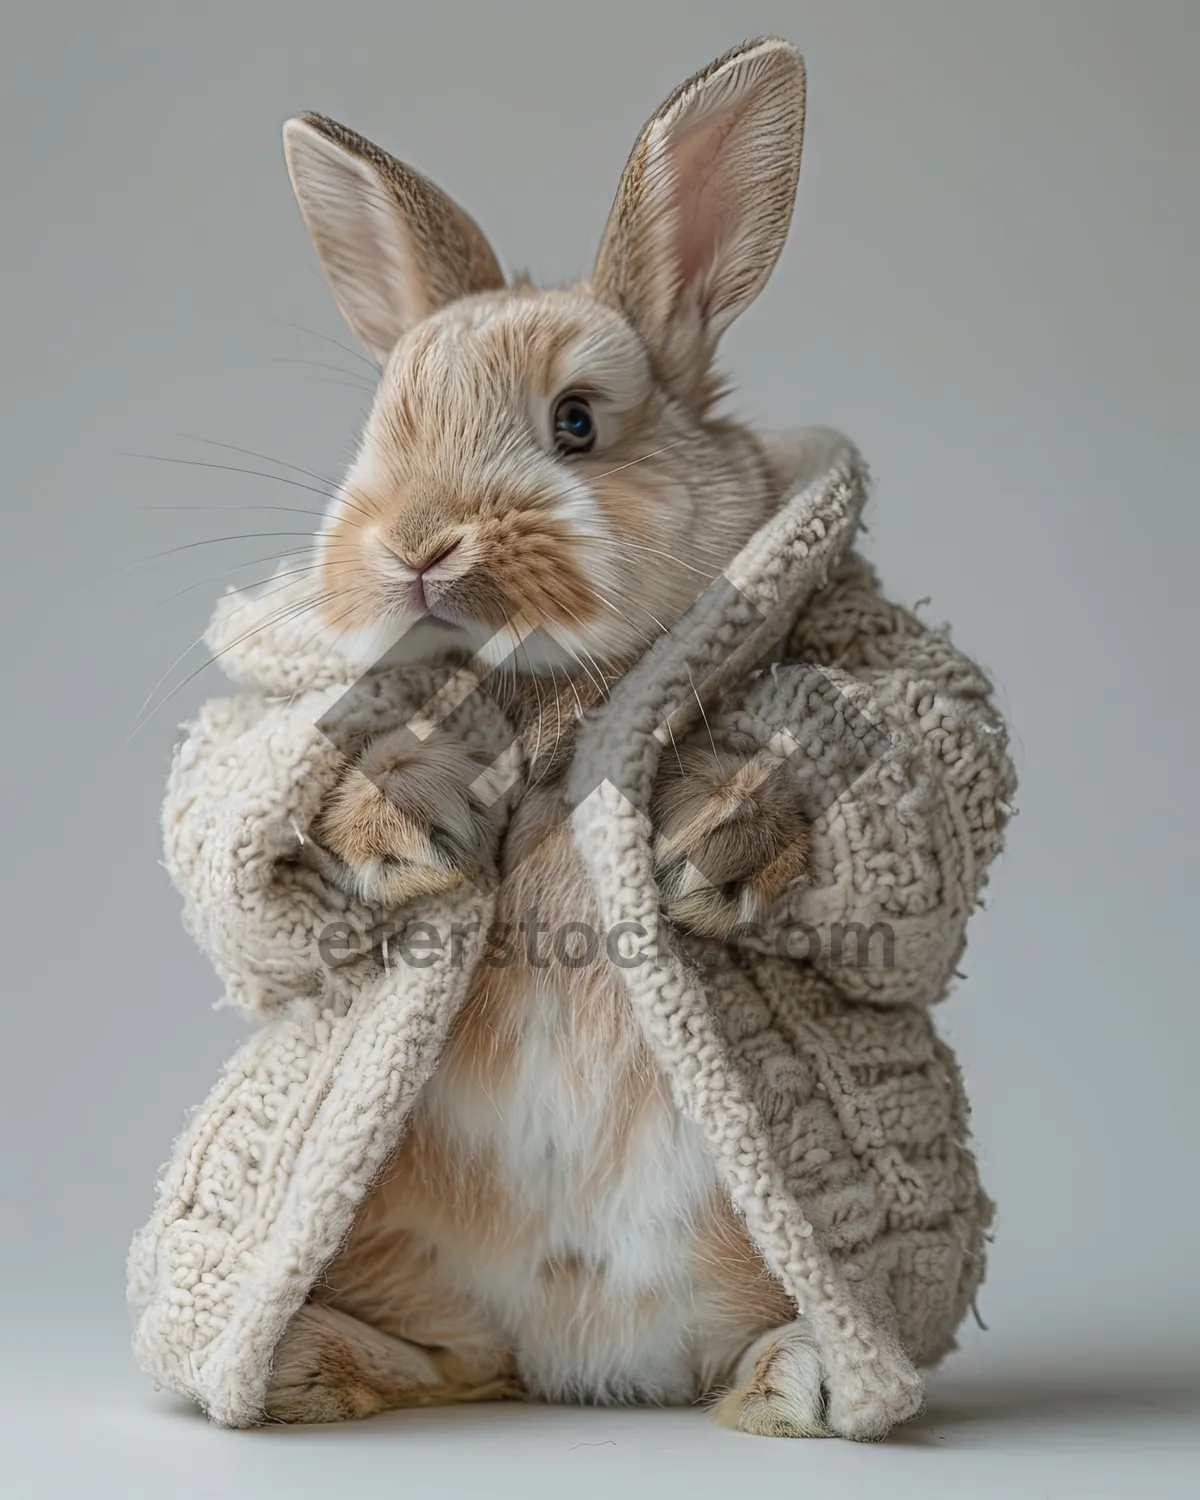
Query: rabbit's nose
<point x="439" y="553"/>
<point x="420" y="557"/>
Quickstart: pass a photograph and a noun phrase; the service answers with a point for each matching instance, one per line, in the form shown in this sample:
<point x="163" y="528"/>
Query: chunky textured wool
<point x="804" y="1051"/>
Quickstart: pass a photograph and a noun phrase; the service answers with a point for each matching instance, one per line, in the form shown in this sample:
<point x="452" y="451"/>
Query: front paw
<point x="410" y="818"/>
<point x="729" y="837"/>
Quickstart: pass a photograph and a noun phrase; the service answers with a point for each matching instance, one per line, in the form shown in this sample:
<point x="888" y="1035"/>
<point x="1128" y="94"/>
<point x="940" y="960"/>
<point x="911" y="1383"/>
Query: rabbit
<point x="543" y="479"/>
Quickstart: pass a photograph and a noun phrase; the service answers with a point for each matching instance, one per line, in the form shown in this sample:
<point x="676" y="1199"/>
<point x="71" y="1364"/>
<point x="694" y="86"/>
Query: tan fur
<point x="730" y="838"/>
<point x="776" y="1390"/>
<point x="670" y="493"/>
<point x="439" y="1207"/>
<point x="332" y="1367"/>
<point x="460" y="506"/>
<point x="735" y="127"/>
<point x="404" y="820"/>
<point x="443" y="253"/>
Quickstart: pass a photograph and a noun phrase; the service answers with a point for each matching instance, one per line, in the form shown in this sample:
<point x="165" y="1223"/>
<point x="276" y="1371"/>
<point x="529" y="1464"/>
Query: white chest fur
<point x="597" y="1191"/>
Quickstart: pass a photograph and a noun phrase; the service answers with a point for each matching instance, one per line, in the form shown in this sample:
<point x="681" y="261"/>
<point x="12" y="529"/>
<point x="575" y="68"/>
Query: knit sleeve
<point x="901" y="757"/>
<point x="246" y="784"/>
<point x="246" y="780"/>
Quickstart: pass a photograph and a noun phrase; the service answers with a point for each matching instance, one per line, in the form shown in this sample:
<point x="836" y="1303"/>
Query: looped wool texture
<point x="835" y="1116"/>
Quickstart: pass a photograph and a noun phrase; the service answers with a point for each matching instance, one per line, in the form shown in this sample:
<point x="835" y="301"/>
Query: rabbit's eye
<point x="574" y="425"/>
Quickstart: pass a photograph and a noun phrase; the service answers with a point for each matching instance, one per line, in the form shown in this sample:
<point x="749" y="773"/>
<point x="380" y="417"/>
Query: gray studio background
<point x="990" y="285"/>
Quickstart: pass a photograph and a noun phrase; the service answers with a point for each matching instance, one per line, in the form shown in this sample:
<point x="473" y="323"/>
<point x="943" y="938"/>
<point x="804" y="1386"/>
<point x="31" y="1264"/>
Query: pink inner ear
<point x="706" y="191"/>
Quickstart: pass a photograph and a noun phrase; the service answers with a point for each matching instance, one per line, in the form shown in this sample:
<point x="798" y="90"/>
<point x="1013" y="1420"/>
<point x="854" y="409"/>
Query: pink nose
<point x="422" y="569"/>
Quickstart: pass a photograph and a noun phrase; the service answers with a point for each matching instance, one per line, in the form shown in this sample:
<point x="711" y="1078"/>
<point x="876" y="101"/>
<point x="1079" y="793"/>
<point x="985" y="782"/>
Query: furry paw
<point x="777" y="1390"/>
<point x="330" y="1367"/>
<point x="729" y="837"/>
<point x="409" y="818"/>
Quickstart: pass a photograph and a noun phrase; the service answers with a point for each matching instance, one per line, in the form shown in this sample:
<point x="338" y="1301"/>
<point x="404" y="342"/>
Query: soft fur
<point x="831" y="1113"/>
<point x="571" y="1181"/>
<point x="546" y="1179"/>
<point x="458" y="505"/>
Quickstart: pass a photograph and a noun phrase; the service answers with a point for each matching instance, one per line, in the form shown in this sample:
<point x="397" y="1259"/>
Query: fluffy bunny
<point x="543" y="481"/>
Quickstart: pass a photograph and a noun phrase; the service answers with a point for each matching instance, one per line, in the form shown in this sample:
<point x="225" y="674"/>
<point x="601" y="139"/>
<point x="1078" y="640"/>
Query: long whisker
<point x="608" y="604"/>
<point x="558" y="720"/>
<point x="337" y="343"/>
<point x="591" y="656"/>
<point x="703" y="715"/>
<point x="212" y="541"/>
<point x="346" y="385"/>
<point x="200" y="638"/>
<point x="291" y="610"/>
<point x="696" y="549"/>
<point x="619" y="547"/>
<point x="311" y="567"/>
<point x="674" y="746"/>
<point x="267" y="458"/>
<point x="355" y="595"/>
<point x="628" y="603"/>
<point x="536" y="688"/>
<point x="352" y="377"/>
<point x="575" y="691"/>
<point x="293" y="510"/>
<point x="664" y="629"/>
<point x="600" y="684"/>
<point x="200" y="463"/>
<point x="699" y="701"/>
<point x="343" y="498"/>
<point x="602" y="599"/>
<point x="595" y="477"/>
<point x="556" y="698"/>
<point x="329" y="489"/>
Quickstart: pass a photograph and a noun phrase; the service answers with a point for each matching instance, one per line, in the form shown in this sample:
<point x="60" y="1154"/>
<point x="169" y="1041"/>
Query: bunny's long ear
<point x="393" y="247"/>
<point x="704" y="205"/>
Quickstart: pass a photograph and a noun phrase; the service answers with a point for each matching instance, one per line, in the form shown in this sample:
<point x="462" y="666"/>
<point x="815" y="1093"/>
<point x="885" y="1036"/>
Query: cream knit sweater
<point x="833" y="1111"/>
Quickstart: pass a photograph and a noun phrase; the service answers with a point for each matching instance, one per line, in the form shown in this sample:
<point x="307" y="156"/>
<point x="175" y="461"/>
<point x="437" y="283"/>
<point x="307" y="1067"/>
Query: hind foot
<point x="331" y="1367"/>
<point x="777" y="1387"/>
